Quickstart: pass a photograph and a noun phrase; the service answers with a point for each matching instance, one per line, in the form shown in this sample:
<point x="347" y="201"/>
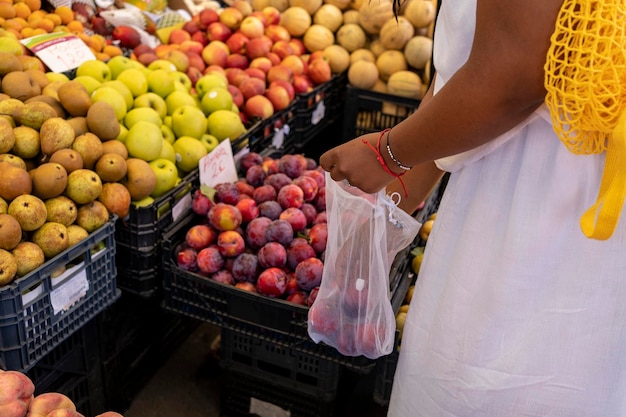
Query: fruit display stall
<point x="110" y="114"/>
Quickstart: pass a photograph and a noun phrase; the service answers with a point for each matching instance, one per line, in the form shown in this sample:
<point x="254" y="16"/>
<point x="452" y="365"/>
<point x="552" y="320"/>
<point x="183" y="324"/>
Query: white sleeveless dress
<point x="516" y="313"/>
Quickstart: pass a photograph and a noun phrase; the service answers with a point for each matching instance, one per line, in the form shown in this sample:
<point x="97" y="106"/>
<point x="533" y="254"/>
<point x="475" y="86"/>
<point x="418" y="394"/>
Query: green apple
<point x="135" y="80"/>
<point x="189" y="151"/>
<point x="167" y="121"/>
<point x="159" y="82"/>
<point x="137" y="114"/>
<point x="209" y="81"/>
<point x="189" y="121"/>
<point x="94" y="68"/>
<point x="144" y="141"/>
<point x="163" y="64"/>
<point x="124" y="91"/>
<point x="168" y="135"/>
<point x="178" y="99"/>
<point x="113" y="97"/>
<point x="210" y="142"/>
<point x="123" y="132"/>
<point x="168" y="152"/>
<point x="153" y="101"/>
<point x="217" y="98"/>
<point x="182" y="78"/>
<point x="166" y="174"/>
<point x="119" y="63"/>
<point x="144" y="202"/>
<point x="56" y="76"/>
<point x="88" y="82"/>
<point x="225" y="124"/>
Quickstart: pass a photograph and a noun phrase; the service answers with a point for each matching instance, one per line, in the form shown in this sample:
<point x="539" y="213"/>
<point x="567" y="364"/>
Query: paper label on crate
<point x="68" y="293"/>
<point x="265" y="409"/>
<point x="218" y="166"/>
<point x="279" y="136"/>
<point x="319" y="113"/>
<point x="183" y="205"/>
<point x="59" y="51"/>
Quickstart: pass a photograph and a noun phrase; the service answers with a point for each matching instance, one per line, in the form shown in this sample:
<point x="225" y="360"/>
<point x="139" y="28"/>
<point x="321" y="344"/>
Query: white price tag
<point x="68" y="293"/>
<point x="318" y="113"/>
<point x="59" y="51"/>
<point x="218" y="166"/>
<point x="265" y="409"/>
<point x="181" y="207"/>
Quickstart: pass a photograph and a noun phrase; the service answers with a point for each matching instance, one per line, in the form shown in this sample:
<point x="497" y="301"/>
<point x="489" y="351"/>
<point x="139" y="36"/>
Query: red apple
<point x="178" y="36"/>
<point x="302" y="84"/>
<point x="295" y="63"/>
<point x="319" y="71"/>
<point x="217" y="31"/>
<point x="259" y="15"/>
<point x="141" y="49"/>
<point x="256" y="73"/>
<point x="206" y="17"/>
<point x="252" y="27"/>
<point x="272" y="14"/>
<point x="200" y="37"/>
<point x="194" y="74"/>
<point x="191" y="26"/>
<point x="191" y="46"/>
<point x="235" y="75"/>
<point x="215" y="68"/>
<point x="237" y="43"/>
<point x="286" y="85"/>
<point x="235" y="92"/>
<point x="147" y="57"/>
<point x="263" y="63"/>
<point x="236" y="61"/>
<point x="278" y="96"/>
<point x="258" y="47"/>
<point x="280" y="72"/>
<point x="252" y="87"/>
<point x="277" y="33"/>
<point x="274" y="58"/>
<point x="282" y="48"/>
<point x="298" y="46"/>
<point x="231" y="17"/>
<point x="196" y="61"/>
<point x="258" y="106"/>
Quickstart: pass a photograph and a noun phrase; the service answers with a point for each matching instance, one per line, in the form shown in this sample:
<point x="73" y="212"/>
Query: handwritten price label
<point x="59" y="51"/>
<point x="218" y="166"/>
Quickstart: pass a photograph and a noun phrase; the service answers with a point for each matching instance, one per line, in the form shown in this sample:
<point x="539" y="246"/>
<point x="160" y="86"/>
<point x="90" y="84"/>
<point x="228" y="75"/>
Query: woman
<point x="515" y="312"/>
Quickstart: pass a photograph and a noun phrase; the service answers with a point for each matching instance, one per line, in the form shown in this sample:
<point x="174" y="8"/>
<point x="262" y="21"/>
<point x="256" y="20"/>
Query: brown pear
<point x="52" y="238"/>
<point x="115" y="198"/>
<point x="39" y="76"/>
<point x="79" y="123"/>
<point x="55" y="133"/>
<point x="102" y="121"/>
<point x="8" y="267"/>
<point x="10" y="232"/>
<point x="83" y="186"/>
<point x="9" y="106"/>
<point x="115" y="146"/>
<point x="13" y="181"/>
<point x="51" y="101"/>
<point x="52" y="89"/>
<point x="111" y="167"/>
<point x="49" y="180"/>
<point x="61" y="209"/>
<point x="89" y="147"/>
<point x="140" y="179"/>
<point x="70" y="159"/>
<point x="14" y="160"/>
<point x="9" y="63"/>
<point x="92" y="216"/>
<point x="76" y="234"/>
<point x="34" y="113"/>
<point x="27" y="143"/>
<point x="20" y="85"/>
<point x="28" y="256"/>
<point x="7" y="137"/>
<point x="29" y="210"/>
<point x="74" y="98"/>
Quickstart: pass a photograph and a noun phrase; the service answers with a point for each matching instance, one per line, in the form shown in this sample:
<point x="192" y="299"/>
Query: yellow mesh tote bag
<point x="586" y="95"/>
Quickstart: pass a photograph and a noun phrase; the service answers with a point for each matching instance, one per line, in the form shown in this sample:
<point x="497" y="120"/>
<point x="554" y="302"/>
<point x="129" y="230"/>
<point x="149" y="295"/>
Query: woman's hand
<point x="357" y="163"/>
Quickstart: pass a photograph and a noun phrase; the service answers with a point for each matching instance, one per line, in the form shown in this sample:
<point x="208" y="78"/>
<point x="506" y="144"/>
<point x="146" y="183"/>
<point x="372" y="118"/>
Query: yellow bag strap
<point x="586" y="94"/>
<point x="600" y="220"/>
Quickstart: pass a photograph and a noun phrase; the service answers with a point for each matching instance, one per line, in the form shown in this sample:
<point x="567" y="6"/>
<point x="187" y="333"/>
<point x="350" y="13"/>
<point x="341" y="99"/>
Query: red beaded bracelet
<point x="382" y="162"/>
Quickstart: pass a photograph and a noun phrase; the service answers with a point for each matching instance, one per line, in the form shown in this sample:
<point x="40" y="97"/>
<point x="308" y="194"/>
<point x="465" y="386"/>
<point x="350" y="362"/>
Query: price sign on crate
<point x="218" y="166"/>
<point x="59" y="51"/>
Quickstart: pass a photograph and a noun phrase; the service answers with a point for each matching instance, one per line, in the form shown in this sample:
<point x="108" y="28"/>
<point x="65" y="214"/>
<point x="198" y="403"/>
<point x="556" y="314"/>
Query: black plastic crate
<point x="245" y="395"/>
<point x="273" y="320"/>
<point x="136" y="337"/>
<point x="73" y="368"/>
<point x="291" y="368"/>
<point x="274" y="135"/>
<point x="139" y="237"/>
<point x="38" y="312"/>
<point x="319" y="108"/>
<point x="367" y="111"/>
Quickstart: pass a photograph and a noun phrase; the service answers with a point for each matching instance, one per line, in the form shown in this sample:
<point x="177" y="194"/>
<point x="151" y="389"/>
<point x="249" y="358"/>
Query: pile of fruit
<point x="264" y="233"/>
<point x="18" y="399"/>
